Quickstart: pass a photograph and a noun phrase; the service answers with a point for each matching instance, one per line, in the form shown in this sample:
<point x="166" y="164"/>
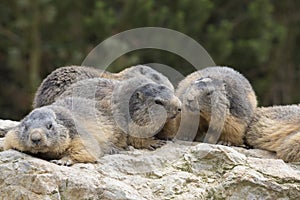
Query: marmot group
<point x="221" y="98"/>
<point x="81" y="129"/>
<point x="276" y="129"/>
<point x="82" y="113"/>
<point x="60" y="79"/>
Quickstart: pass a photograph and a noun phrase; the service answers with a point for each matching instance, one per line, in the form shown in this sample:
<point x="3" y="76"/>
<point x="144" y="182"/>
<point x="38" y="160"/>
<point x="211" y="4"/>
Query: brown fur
<point x="276" y="129"/>
<point x="235" y="128"/>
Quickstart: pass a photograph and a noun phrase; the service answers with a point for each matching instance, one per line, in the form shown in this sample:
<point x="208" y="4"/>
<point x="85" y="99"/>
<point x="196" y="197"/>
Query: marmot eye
<point x="209" y="93"/>
<point x="159" y="102"/>
<point x="49" y="126"/>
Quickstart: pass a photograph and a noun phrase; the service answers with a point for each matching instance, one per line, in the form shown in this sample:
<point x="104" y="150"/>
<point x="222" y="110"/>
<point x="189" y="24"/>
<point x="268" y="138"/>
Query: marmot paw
<point x="225" y="143"/>
<point x="63" y="162"/>
<point x="113" y="150"/>
<point x="156" y="144"/>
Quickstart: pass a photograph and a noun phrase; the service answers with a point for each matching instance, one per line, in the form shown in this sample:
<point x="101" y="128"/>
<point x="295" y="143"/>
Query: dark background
<point x="259" y="38"/>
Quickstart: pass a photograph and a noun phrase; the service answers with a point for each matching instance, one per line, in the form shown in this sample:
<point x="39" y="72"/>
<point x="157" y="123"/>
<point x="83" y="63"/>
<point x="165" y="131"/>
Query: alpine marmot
<point x="223" y="101"/>
<point x="53" y="133"/>
<point x="112" y="96"/>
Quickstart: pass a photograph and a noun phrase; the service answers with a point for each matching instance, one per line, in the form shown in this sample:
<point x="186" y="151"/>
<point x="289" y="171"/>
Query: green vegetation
<point x="259" y="38"/>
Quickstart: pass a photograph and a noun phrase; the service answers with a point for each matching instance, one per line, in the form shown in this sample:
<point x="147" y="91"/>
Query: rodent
<point x="82" y="128"/>
<point x="221" y="98"/>
<point x="52" y="133"/>
<point x="139" y="107"/>
<point x="276" y="129"/>
<point x="60" y="79"/>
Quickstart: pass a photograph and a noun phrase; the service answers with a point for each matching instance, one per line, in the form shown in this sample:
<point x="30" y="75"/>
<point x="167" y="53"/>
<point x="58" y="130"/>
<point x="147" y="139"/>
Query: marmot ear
<point x="66" y="121"/>
<point x="159" y="101"/>
<point x="59" y="118"/>
<point x="63" y="118"/>
<point x="139" y="95"/>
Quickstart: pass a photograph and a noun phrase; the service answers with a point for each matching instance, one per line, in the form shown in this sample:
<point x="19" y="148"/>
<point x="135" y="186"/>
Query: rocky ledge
<point x="175" y="171"/>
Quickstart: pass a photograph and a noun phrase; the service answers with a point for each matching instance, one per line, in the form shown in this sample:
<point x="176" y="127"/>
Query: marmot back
<point x="60" y="79"/>
<point x="222" y="99"/>
<point x="276" y="129"/>
<point x="143" y="70"/>
<point x="98" y="89"/>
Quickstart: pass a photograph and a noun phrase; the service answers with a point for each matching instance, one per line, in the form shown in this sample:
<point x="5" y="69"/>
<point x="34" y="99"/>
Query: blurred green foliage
<point x="259" y="38"/>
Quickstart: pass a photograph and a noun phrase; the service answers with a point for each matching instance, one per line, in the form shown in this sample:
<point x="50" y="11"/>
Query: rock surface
<point x="175" y="171"/>
<point x="6" y="124"/>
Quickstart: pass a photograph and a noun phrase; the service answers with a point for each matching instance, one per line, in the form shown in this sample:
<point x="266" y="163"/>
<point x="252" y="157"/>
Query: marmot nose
<point x="36" y="137"/>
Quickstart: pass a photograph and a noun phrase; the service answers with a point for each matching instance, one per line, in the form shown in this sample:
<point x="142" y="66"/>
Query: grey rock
<point x="5" y="125"/>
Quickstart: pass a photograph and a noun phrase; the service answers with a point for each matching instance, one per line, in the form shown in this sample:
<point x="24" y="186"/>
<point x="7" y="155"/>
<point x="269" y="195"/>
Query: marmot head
<point x="205" y="94"/>
<point x="141" y="105"/>
<point x="41" y="131"/>
<point x="149" y="73"/>
<point x="156" y="95"/>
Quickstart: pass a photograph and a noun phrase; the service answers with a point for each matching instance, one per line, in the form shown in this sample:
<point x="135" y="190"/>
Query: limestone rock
<point x="175" y="171"/>
<point x="5" y="125"/>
